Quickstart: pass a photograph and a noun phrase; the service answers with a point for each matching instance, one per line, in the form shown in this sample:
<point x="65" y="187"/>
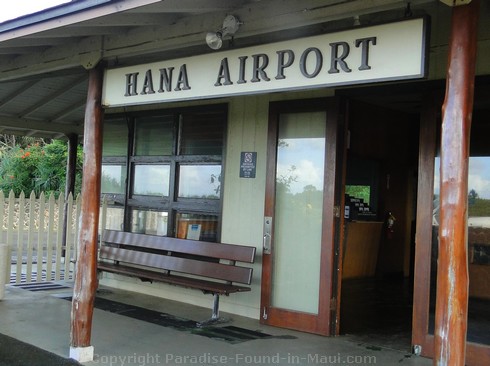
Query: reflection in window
<point x="299" y="211"/>
<point x="197" y="227"/>
<point x="200" y="181"/>
<point x="202" y="134"/>
<point x="479" y="192"/>
<point x="115" y="138"/>
<point x="478" y="245"/>
<point x="174" y="159"/>
<point x="151" y="180"/>
<point x="149" y="222"/>
<point x="154" y="135"/>
<point x="114" y="219"/>
<point x="113" y="179"/>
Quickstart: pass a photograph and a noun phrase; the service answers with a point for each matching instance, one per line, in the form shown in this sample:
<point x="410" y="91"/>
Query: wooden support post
<point x="86" y="269"/>
<point x="452" y="271"/>
<point x="71" y="167"/>
<point x="71" y="173"/>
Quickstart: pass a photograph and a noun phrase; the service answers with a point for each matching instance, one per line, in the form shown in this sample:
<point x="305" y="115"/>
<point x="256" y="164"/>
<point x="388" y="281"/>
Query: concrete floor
<point x="43" y="319"/>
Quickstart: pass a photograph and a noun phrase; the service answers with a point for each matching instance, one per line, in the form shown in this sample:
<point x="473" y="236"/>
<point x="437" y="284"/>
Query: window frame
<point x="172" y="204"/>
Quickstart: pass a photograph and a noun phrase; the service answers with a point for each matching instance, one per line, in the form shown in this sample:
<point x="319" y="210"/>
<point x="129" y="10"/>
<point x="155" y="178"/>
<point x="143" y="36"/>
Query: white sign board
<point x="385" y="52"/>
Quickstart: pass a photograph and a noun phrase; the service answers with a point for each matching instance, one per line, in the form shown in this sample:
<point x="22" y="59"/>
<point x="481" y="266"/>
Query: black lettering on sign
<point x="166" y="79"/>
<point x="131" y="84"/>
<point x="183" y="80"/>
<point x="364" y="43"/>
<point x="337" y="60"/>
<point x="283" y="62"/>
<point x="318" y="62"/>
<point x="223" y="73"/>
<point x="260" y="62"/>
<point x="148" y="84"/>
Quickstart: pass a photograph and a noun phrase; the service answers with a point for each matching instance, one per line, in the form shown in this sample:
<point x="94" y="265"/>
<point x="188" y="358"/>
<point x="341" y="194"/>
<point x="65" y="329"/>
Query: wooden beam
<point x="47" y="127"/>
<point x="86" y="269"/>
<point x="452" y="272"/>
<point x="185" y="32"/>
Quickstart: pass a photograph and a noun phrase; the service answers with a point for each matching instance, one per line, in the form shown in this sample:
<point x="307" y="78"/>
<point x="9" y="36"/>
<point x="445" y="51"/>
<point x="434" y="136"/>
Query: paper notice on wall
<point x="194" y="231"/>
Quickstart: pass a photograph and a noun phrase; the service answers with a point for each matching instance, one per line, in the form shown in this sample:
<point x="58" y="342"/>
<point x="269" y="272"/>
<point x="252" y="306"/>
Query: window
<point x="154" y="135"/>
<point x="113" y="178"/>
<point x="200" y="181"/>
<point x="151" y="180"/>
<point x="114" y="151"/>
<point x="196" y="226"/>
<point x="149" y="222"/>
<point x="168" y="181"/>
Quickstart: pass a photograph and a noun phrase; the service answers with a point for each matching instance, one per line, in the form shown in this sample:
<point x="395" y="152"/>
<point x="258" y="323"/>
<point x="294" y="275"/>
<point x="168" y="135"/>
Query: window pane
<point x="154" y="135"/>
<point x="479" y="249"/>
<point x="202" y="134"/>
<point x="151" y="180"/>
<point x="115" y="138"/>
<point x="114" y="219"/>
<point x="113" y="179"/>
<point x="200" y="181"/>
<point x="298" y="211"/>
<point x="149" y="222"/>
<point x="197" y="227"/>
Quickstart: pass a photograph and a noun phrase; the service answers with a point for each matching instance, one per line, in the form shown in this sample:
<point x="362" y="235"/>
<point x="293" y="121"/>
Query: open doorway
<point x="380" y="201"/>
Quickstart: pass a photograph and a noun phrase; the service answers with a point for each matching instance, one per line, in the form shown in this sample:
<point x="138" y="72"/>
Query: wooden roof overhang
<point x="44" y="56"/>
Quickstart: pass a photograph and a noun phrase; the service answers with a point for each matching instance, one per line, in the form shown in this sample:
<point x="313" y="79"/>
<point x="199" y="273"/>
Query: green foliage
<point x="478" y="207"/>
<point x="38" y="167"/>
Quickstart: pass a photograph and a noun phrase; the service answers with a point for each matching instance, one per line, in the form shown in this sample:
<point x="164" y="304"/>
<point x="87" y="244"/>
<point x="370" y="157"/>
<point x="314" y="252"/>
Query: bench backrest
<point x="239" y="253"/>
<point x="159" y="252"/>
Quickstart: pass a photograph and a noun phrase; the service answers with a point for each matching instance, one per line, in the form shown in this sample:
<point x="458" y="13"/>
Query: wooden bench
<point x="209" y="267"/>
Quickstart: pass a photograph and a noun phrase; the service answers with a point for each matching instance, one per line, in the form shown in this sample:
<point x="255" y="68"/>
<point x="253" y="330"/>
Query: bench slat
<point x="183" y="265"/>
<point x="240" y="253"/>
<point x="203" y="285"/>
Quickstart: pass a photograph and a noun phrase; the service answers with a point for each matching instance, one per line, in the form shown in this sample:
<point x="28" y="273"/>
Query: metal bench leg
<point x="215" y="314"/>
<point x="215" y="318"/>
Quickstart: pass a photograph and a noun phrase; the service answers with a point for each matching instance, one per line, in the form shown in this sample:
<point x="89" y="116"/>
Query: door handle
<point x="266" y="245"/>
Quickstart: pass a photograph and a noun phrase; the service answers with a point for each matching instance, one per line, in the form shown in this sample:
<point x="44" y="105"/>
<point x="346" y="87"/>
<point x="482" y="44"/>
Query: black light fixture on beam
<point x="230" y="26"/>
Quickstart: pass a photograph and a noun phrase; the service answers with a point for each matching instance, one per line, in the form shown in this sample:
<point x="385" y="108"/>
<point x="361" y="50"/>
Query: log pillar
<point x="86" y="269"/>
<point x="452" y="271"/>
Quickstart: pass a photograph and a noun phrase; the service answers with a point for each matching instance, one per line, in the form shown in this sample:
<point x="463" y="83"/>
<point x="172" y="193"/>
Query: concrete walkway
<point x="42" y="319"/>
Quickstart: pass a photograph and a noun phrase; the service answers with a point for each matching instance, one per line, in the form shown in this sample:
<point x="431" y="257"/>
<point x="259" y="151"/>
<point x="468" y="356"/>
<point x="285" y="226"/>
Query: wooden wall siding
<point x="33" y="229"/>
<point x="243" y="198"/>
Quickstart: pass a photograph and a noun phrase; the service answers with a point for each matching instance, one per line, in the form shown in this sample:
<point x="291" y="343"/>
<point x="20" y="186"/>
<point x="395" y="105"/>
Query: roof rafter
<point x="9" y="122"/>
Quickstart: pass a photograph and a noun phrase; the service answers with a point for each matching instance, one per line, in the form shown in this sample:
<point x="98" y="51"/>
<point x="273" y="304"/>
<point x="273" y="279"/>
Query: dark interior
<point x="376" y="307"/>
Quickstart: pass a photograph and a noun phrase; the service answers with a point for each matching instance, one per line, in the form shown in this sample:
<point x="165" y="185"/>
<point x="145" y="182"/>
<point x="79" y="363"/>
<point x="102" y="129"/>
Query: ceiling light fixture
<point x="230" y="26"/>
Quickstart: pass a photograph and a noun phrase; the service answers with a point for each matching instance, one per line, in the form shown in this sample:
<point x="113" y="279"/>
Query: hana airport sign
<point x="387" y="52"/>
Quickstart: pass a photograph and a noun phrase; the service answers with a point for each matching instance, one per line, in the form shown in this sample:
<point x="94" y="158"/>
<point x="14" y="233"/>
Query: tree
<point x="38" y="167"/>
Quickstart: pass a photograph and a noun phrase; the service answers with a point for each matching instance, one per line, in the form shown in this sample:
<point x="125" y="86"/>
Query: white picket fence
<point x="33" y="229"/>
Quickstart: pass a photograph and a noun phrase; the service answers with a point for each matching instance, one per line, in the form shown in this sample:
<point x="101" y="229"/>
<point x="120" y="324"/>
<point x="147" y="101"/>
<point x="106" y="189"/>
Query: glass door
<point x="478" y="239"/>
<point x="299" y="217"/>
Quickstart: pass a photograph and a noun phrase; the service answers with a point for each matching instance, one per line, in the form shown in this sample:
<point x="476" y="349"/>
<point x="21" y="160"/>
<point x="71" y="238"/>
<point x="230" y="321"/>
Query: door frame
<point x="326" y="321"/>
